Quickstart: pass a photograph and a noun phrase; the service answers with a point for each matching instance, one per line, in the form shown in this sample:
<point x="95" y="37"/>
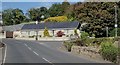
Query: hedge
<point x="57" y="19"/>
<point x="109" y="51"/>
<point x="98" y="41"/>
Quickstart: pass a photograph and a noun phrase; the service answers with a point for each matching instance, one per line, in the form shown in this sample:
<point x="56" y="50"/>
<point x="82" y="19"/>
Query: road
<point x="23" y="51"/>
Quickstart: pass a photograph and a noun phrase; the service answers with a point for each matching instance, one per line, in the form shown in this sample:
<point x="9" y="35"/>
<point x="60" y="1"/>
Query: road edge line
<point x="35" y="53"/>
<point x="4" y="54"/>
<point x="47" y="60"/>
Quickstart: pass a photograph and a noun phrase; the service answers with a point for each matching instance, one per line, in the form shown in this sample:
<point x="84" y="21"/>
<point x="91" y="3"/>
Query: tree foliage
<point x="13" y="16"/>
<point x="98" y="15"/>
<point x="58" y="9"/>
<point x="36" y="13"/>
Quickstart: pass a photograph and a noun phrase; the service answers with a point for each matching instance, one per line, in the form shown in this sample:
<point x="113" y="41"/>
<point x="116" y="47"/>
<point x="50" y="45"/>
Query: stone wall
<point x="87" y="51"/>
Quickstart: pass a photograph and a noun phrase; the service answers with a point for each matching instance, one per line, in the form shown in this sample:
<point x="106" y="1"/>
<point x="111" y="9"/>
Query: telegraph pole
<point x="116" y="21"/>
<point x="118" y="54"/>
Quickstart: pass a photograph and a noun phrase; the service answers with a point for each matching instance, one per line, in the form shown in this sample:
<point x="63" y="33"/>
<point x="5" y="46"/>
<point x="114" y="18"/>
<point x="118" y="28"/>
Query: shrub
<point x="93" y="35"/>
<point x="109" y="51"/>
<point x="75" y="32"/>
<point x="46" y="33"/>
<point x="112" y="33"/>
<point x="60" y="34"/>
<point x="97" y="41"/>
<point x="84" y="35"/>
<point x="68" y="45"/>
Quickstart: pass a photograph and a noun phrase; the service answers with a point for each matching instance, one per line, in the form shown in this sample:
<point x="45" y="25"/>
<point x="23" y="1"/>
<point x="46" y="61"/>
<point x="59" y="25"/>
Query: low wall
<point x="87" y="51"/>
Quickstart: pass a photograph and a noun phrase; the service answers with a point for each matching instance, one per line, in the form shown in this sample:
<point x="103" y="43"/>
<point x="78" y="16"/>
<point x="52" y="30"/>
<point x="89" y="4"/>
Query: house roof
<point x="52" y="25"/>
<point x="13" y="27"/>
<point x="49" y="25"/>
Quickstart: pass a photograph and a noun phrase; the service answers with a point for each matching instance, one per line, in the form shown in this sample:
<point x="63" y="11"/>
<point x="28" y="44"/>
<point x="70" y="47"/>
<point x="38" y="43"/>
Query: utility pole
<point x="36" y="31"/>
<point x="118" y="54"/>
<point x="116" y="21"/>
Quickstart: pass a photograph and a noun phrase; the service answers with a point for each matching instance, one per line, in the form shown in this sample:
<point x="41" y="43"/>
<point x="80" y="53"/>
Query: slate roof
<point x="52" y="25"/>
<point x="13" y="27"/>
<point x="49" y="25"/>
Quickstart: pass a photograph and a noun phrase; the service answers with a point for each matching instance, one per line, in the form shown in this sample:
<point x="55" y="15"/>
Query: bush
<point x="84" y="35"/>
<point x="75" y="32"/>
<point x="46" y="33"/>
<point x="112" y="33"/>
<point x="68" y="45"/>
<point x="60" y="34"/>
<point x="109" y="51"/>
<point x="97" y="41"/>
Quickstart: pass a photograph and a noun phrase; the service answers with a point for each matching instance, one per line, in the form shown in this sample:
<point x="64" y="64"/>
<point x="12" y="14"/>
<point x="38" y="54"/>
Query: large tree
<point x="98" y="15"/>
<point x="56" y="10"/>
<point x="36" y="13"/>
<point x="13" y="16"/>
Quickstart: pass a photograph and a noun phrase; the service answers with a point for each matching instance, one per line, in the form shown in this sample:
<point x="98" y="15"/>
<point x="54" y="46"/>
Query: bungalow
<point x="31" y="30"/>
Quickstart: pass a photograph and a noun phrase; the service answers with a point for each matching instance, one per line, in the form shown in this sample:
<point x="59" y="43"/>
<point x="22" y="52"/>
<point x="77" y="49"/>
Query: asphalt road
<point x="22" y="51"/>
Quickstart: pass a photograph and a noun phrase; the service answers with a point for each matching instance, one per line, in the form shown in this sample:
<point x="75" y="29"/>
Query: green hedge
<point x="109" y="51"/>
<point x="97" y="41"/>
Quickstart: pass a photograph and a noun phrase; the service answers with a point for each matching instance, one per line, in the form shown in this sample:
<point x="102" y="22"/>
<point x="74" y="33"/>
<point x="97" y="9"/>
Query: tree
<point x="13" y="16"/>
<point x="18" y="16"/>
<point x="56" y="10"/>
<point x="36" y="13"/>
<point x="98" y="15"/>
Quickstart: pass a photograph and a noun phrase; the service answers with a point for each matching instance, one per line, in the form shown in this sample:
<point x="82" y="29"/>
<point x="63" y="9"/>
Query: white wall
<point x="32" y="33"/>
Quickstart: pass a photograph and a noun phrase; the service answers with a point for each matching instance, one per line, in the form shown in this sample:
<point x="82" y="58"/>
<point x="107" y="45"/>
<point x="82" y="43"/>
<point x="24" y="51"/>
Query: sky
<point x="39" y="0"/>
<point x="27" y="4"/>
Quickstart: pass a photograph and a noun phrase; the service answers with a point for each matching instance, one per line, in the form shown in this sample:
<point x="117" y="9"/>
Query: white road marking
<point x="26" y="45"/>
<point x="41" y="43"/>
<point x="36" y="53"/>
<point x="46" y="60"/>
<point x="29" y="48"/>
<point x="5" y="54"/>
